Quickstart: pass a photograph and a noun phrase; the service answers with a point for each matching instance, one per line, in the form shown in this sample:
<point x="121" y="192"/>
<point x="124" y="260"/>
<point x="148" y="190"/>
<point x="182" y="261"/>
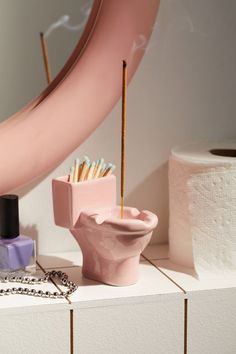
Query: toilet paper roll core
<point x="224" y="152"/>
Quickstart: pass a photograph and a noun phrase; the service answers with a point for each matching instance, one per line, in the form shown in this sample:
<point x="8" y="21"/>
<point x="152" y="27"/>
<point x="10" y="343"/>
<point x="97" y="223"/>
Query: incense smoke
<point x="139" y="43"/>
<point x="64" y="21"/>
<point x="177" y="18"/>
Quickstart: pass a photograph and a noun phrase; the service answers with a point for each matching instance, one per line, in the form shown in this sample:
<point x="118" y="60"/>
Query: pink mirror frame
<point x="40" y="136"/>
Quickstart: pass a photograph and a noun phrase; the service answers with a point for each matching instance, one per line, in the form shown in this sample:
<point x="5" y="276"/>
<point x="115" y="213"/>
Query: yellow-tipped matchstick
<point x="123" y="136"/>
<point x="76" y="171"/>
<point x="71" y="174"/>
<point x="84" y="169"/>
<point x="102" y="171"/>
<point x="110" y="168"/>
<point x="45" y="57"/>
<point x="99" y="168"/>
<point x="91" y="170"/>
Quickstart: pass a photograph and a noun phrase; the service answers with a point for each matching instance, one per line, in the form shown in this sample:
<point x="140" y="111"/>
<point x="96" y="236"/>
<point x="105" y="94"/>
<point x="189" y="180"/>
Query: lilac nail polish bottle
<point x="16" y="251"/>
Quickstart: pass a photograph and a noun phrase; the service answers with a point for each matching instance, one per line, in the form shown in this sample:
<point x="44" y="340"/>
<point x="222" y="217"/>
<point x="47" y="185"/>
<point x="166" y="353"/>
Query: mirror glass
<point x="22" y="69"/>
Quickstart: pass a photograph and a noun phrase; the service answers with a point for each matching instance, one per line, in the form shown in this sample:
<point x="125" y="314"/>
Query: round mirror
<point x="21" y="62"/>
<point x="37" y="138"/>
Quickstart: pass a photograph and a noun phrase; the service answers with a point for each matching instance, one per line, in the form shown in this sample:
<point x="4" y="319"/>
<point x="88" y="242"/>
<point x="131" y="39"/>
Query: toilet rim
<point x="138" y="221"/>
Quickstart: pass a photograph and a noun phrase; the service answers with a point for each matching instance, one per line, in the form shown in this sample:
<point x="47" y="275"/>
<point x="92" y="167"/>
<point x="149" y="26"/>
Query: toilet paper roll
<point x="202" y="189"/>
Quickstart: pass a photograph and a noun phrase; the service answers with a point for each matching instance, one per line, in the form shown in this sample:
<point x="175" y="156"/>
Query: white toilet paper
<point x="202" y="226"/>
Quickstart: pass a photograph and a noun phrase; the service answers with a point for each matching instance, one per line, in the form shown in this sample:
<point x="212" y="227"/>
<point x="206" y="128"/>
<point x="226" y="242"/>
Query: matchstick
<point x="84" y="169"/>
<point x="91" y="170"/>
<point x="71" y="175"/>
<point x="76" y="171"/>
<point x="102" y="171"/>
<point x="109" y="170"/>
<point x="99" y="167"/>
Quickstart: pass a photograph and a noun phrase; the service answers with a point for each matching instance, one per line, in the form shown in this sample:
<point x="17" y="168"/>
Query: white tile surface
<point x="151" y="286"/>
<point x="211" y="313"/>
<point x="188" y="280"/>
<point x="23" y="303"/>
<point x="138" y="328"/>
<point x="155" y="251"/>
<point x="211" y="322"/>
<point x="35" y="333"/>
<point x="128" y="315"/>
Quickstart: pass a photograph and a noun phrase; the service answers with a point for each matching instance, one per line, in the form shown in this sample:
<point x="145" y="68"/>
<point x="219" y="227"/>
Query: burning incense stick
<point x="123" y="136"/>
<point x="45" y="58"/>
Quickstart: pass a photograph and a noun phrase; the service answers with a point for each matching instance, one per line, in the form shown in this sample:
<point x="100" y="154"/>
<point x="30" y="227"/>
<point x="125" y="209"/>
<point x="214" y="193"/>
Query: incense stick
<point x="123" y="136"/>
<point x="45" y="58"/>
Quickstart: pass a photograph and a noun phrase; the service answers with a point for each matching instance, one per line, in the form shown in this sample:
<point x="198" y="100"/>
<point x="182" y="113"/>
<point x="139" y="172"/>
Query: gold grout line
<point x="39" y="265"/>
<point x="57" y="267"/>
<point x="71" y="311"/>
<point x="185" y="326"/>
<point x="71" y="332"/>
<point x="185" y="304"/>
<point x="67" y="298"/>
<point x="167" y="276"/>
<point x="56" y="285"/>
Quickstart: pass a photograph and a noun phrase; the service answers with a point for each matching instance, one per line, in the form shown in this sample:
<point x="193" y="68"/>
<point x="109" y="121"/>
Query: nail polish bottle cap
<point x="9" y="216"/>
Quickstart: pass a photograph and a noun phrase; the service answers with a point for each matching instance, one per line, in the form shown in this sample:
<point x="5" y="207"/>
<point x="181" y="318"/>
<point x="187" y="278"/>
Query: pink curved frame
<point x="36" y="139"/>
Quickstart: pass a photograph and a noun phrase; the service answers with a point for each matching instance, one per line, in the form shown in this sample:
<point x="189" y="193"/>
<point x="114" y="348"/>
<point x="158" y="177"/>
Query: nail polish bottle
<point x="17" y="251"/>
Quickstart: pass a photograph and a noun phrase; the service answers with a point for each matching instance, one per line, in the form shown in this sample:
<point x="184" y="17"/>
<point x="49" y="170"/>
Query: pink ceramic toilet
<point x="111" y="246"/>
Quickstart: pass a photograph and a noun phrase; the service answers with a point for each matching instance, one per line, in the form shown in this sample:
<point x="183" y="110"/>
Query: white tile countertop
<point x="123" y="319"/>
<point x="190" y="283"/>
<point x="20" y="303"/>
<point x="186" y="278"/>
<point x="117" y="315"/>
<point x="168" y="297"/>
<point x="158" y="276"/>
<point x="152" y="283"/>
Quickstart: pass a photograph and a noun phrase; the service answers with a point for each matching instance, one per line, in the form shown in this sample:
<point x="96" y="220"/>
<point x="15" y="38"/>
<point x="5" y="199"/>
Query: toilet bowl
<point x="111" y="246"/>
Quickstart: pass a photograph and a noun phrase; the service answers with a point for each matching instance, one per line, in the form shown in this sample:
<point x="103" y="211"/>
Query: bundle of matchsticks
<point x="87" y="170"/>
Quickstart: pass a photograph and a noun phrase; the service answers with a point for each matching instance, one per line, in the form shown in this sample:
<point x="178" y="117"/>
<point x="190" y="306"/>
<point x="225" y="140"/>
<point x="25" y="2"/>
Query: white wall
<point x="184" y="90"/>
